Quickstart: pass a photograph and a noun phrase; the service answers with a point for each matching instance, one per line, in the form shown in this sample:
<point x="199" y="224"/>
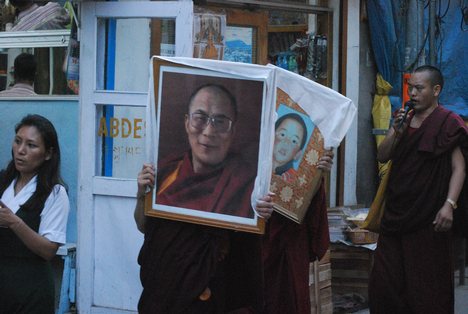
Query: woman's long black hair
<point x="48" y="174"/>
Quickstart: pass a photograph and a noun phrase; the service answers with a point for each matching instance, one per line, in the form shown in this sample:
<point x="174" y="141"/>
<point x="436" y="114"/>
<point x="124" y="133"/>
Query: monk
<point x="288" y="248"/>
<point x="413" y="262"/>
<point x="186" y="268"/>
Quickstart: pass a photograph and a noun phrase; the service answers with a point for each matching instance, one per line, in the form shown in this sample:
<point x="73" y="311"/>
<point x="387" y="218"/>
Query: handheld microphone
<point x="408" y="106"/>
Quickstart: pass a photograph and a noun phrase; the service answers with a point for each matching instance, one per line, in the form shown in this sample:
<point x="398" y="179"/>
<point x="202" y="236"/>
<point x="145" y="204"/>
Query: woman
<point x="33" y="218"/>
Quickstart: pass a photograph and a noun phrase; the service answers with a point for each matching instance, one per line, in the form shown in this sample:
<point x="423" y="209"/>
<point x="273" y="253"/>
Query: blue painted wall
<point x="64" y="115"/>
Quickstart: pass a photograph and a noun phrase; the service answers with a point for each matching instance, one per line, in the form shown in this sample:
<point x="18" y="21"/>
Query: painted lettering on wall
<point x="125" y="152"/>
<point x="121" y="127"/>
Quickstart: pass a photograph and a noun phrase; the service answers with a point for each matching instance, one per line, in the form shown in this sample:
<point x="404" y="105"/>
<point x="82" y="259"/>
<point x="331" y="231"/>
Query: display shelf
<point x="35" y="39"/>
<point x="287" y="28"/>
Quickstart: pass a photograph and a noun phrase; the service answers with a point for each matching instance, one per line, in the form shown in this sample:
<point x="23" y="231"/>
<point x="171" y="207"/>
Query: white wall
<point x="108" y="240"/>
<point x="352" y="92"/>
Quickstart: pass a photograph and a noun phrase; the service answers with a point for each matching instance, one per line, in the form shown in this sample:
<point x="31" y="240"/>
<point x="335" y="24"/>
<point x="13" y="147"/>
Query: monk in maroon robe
<point x="287" y="250"/>
<point x="187" y="268"/>
<point x="185" y="258"/>
<point x="413" y="270"/>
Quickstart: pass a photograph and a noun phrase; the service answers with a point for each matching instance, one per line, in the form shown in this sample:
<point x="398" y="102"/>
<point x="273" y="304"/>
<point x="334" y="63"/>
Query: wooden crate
<point x="350" y="268"/>
<point x="326" y="305"/>
<point x="320" y="286"/>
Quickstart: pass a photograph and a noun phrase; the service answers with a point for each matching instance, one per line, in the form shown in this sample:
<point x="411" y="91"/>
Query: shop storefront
<point x="107" y="140"/>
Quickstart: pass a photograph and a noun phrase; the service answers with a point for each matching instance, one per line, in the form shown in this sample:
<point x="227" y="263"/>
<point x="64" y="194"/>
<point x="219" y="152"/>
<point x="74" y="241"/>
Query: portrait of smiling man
<point x="209" y="176"/>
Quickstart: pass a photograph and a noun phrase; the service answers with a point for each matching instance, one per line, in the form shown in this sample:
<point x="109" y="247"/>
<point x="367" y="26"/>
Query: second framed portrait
<point x="298" y="146"/>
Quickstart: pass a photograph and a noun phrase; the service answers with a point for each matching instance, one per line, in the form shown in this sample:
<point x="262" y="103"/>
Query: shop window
<point x="277" y="17"/>
<point x="120" y="132"/>
<point x="246" y="34"/>
<point x="301" y="43"/>
<point x="42" y="30"/>
<point x="125" y="47"/>
<point x="51" y="76"/>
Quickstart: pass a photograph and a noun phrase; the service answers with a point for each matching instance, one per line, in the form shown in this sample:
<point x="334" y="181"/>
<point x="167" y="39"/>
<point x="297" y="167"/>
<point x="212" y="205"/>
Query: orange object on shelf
<point x="361" y="236"/>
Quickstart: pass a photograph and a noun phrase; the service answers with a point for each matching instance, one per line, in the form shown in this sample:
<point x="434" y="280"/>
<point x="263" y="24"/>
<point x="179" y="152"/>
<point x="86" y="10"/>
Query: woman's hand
<point x="264" y="206"/>
<point x="7" y="218"/>
<point x="38" y="244"/>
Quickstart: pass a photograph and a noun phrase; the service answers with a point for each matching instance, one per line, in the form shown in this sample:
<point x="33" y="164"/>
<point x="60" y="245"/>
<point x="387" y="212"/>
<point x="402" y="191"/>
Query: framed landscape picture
<point x="239" y="44"/>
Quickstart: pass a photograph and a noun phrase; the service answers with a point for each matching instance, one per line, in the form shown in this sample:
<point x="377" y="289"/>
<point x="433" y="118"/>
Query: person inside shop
<point x="290" y="140"/>
<point x="413" y="262"/>
<point x="33" y="218"/>
<point x="30" y="16"/>
<point x="183" y="264"/>
<point x="24" y="73"/>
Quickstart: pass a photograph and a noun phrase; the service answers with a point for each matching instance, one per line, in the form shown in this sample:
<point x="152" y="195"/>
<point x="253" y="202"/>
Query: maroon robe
<point x="226" y="190"/>
<point x="413" y="264"/>
<point x="421" y="171"/>
<point x="179" y="260"/>
<point x="287" y="250"/>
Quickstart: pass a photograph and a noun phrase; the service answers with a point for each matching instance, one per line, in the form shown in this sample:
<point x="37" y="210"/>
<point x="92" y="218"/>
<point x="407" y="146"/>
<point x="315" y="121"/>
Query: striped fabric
<point x="49" y="16"/>
<point x="18" y="90"/>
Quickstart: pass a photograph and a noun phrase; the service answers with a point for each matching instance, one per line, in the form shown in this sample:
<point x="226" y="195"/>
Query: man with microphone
<point x="413" y="262"/>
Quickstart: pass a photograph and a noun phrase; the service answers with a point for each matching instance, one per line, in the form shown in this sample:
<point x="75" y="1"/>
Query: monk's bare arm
<point x="139" y="214"/>
<point x="444" y="217"/>
<point x="145" y="179"/>
<point x="458" y="174"/>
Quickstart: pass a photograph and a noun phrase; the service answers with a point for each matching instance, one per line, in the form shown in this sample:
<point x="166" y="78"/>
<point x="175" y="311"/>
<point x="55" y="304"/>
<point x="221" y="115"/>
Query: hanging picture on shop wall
<point x="239" y="44"/>
<point x="209" y="35"/>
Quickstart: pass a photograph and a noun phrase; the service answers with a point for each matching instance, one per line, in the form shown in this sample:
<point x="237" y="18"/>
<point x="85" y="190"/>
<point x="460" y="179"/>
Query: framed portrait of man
<point x="208" y="130"/>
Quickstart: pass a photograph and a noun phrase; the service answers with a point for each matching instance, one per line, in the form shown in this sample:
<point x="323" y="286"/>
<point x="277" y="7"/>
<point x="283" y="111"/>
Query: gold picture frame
<point x="296" y="186"/>
<point x="173" y="85"/>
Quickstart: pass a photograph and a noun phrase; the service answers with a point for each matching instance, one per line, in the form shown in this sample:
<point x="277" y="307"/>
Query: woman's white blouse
<point x="54" y="216"/>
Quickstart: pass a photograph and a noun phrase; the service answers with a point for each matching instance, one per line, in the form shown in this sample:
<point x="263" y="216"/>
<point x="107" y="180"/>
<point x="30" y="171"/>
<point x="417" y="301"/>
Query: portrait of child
<point x="292" y="133"/>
